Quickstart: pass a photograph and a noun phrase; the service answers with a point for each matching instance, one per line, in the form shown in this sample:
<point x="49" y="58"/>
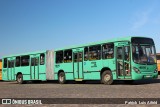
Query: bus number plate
<point x="148" y="76"/>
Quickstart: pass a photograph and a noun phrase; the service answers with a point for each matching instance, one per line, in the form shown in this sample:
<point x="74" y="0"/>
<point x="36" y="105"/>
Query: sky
<point x="35" y="25"/>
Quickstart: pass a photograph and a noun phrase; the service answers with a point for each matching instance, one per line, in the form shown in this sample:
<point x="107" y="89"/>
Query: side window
<point x="42" y="59"/>
<point x="75" y="57"/>
<point x="119" y="53"/>
<point x="17" y="61"/>
<point x="80" y="57"/>
<point x="95" y="52"/>
<point x="12" y="63"/>
<point x="25" y="60"/>
<point x="67" y="56"/>
<point x="59" y="57"/>
<point x="36" y="61"/>
<point x="32" y="61"/>
<point x="5" y="63"/>
<point x="9" y="64"/>
<point x="86" y="54"/>
<point x="127" y="53"/>
<point x="108" y="51"/>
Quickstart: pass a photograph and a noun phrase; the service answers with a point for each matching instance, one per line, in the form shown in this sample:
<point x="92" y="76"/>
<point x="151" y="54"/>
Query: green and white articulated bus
<point x="128" y="59"/>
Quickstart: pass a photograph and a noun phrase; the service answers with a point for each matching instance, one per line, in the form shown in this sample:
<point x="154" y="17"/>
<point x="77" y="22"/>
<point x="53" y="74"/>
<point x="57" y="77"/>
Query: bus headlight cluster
<point x="136" y="70"/>
<point x="155" y="70"/>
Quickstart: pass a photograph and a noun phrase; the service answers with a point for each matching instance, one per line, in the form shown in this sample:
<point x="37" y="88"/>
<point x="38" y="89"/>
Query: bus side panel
<point x="4" y="74"/>
<point x="67" y="68"/>
<point x="92" y="69"/>
<point x="110" y="63"/>
<point x="25" y="72"/>
<point x="92" y="76"/>
<point x="42" y="72"/>
<point x="18" y="70"/>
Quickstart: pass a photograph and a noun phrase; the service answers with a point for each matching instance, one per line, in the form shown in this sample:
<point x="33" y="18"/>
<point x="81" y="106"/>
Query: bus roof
<point x="71" y="47"/>
<point x="101" y="42"/>
<point x="28" y="53"/>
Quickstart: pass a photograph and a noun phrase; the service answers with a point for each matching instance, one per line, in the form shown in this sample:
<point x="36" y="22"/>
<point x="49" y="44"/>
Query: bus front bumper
<point x="140" y="76"/>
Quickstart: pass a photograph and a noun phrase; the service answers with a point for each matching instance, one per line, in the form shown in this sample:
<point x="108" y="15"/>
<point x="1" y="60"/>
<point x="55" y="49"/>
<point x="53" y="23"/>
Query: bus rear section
<point x="0" y="69"/>
<point x="158" y="62"/>
<point x="28" y="67"/>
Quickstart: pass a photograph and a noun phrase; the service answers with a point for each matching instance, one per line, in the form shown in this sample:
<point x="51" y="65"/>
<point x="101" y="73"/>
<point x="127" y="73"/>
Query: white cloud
<point x="141" y="19"/>
<point x="146" y="15"/>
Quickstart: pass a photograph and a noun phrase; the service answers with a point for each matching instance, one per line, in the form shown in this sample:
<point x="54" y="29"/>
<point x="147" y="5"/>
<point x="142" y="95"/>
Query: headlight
<point x="136" y="70"/>
<point x="155" y="70"/>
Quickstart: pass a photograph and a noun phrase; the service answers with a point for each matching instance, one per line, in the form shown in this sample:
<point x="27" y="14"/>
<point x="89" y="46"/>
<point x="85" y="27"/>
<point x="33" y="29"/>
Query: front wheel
<point x="20" y="79"/>
<point x="107" y="78"/>
<point x="62" y="78"/>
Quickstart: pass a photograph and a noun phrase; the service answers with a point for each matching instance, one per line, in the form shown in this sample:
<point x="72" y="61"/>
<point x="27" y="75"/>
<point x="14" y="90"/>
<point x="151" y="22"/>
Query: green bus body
<point x="86" y="62"/>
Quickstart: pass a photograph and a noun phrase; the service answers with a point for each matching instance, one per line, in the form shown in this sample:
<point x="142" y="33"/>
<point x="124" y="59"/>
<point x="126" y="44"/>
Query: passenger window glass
<point x="17" y="61"/>
<point x="5" y="63"/>
<point x="95" y="52"/>
<point x="12" y="63"/>
<point x="86" y="53"/>
<point x="75" y="57"/>
<point x="67" y="56"/>
<point x="34" y="61"/>
<point x="119" y="53"/>
<point x="59" y="57"/>
<point x="9" y="64"/>
<point x="42" y="59"/>
<point x="25" y="60"/>
<point x="127" y="53"/>
<point x="108" y="51"/>
<point x="80" y="57"/>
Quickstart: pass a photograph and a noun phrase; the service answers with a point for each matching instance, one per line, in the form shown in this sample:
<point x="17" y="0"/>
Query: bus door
<point x="123" y="67"/>
<point x="11" y="69"/>
<point x="78" y="65"/>
<point x="34" y="67"/>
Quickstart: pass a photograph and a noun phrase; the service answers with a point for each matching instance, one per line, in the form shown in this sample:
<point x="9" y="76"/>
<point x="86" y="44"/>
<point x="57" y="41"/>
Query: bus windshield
<point x="144" y="54"/>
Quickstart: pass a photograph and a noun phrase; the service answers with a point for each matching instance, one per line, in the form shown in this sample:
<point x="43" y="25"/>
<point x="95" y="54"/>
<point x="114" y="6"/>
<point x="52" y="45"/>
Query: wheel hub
<point x="19" y="79"/>
<point x="107" y="77"/>
<point x="61" y="78"/>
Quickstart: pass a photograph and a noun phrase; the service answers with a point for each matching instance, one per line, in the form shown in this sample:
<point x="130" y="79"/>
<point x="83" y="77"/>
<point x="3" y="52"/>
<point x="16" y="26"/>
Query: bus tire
<point x="107" y="77"/>
<point x="62" y="78"/>
<point x="20" y="79"/>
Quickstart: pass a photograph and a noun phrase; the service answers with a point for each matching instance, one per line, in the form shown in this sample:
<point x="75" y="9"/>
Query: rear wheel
<point x="107" y="78"/>
<point x="20" y="79"/>
<point x="62" y="78"/>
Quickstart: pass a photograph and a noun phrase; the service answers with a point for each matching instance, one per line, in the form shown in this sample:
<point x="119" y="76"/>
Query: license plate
<point x="148" y="76"/>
